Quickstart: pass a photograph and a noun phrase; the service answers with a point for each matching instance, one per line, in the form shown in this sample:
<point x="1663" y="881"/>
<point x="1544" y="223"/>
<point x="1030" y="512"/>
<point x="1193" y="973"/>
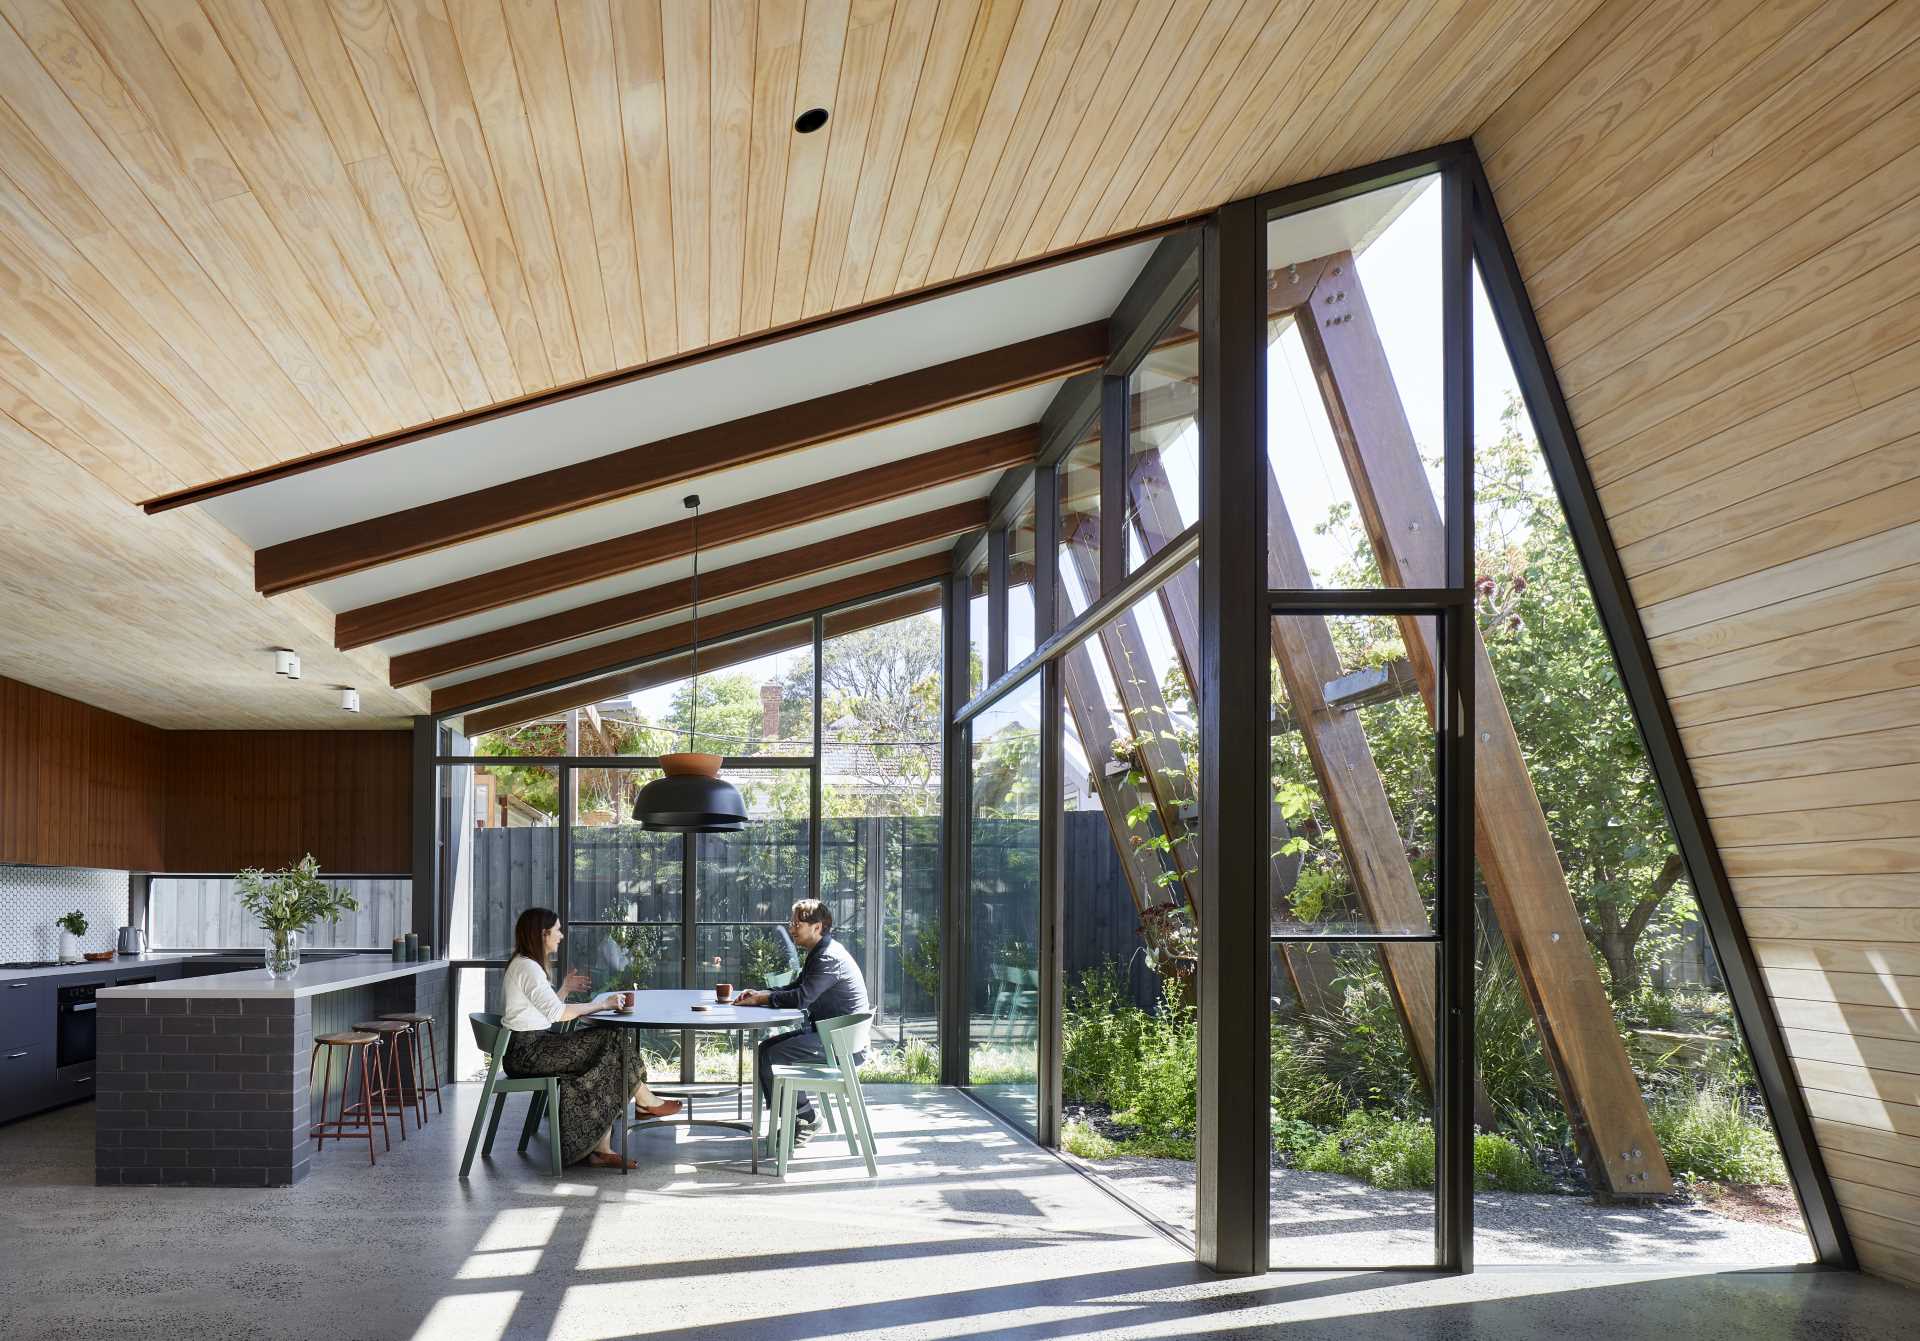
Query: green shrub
<point x="1399" y="1156"/>
<point x="1164" y="1104"/>
<point x="1500" y="1165"/>
<point x="1078" y="1138"/>
<point x="1001" y="1066"/>
<point x="1710" y="1133"/>
<point x="1393" y="1155"/>
<point x="914" y="1063"/>
<point x="1293" y="1138"/>
<point x="1650" y="1008"/>
<point x="1302" y="1090"/>
<point x="1368" y="1043"/>
<point x="1102" y="1041"/>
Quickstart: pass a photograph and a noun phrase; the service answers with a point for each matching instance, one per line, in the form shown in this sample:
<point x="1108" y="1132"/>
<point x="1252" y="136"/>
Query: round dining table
<point x="691" y="1009"/>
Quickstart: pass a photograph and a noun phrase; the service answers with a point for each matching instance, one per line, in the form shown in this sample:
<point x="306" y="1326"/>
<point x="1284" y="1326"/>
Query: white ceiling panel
<point x="679" y="400"/>
<point x="796" y="537"/>
<point x="661" y="506"/>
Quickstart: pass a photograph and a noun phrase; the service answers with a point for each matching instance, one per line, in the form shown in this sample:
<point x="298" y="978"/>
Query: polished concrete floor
<point x="969" y="1232"/>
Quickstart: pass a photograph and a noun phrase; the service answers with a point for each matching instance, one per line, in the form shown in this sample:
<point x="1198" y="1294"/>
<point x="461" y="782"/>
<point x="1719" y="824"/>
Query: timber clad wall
<point x="80" y="786"/>
<point x="1715" y="207"/>
<point x="263" y="798"/>
<point x="77" y="784"/>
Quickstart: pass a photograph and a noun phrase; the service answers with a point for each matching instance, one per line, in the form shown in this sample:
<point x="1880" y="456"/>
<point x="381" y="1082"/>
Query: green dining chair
<point x="835" y="1080"/>
<point x="491" y="1037"/>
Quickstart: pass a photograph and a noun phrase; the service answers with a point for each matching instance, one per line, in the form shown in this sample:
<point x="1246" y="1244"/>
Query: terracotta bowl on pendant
<point x="690" y="765"/>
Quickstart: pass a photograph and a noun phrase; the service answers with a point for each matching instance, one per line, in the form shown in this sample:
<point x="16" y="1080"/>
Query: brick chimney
<point x="770" y="710"/>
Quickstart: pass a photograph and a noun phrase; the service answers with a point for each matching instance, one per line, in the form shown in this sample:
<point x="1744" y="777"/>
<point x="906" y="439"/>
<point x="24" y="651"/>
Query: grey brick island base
<point x="203" y="1081"/>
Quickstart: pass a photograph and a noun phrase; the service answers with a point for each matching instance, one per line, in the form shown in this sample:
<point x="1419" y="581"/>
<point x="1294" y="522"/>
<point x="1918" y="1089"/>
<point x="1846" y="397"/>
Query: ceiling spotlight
<point x="349" y="699"/>
<point x="810" y="120"/>
<point x="286" y="662"/>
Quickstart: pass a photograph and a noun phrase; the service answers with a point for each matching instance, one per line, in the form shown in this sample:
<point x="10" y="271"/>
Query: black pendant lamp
<point x="692" y="797"/>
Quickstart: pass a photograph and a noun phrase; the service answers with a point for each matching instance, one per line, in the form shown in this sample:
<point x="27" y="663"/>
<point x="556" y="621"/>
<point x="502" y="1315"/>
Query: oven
<point x="74" y="1029"/>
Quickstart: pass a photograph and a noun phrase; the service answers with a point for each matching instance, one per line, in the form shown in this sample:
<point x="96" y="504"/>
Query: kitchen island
<point x="203" y="1081"/>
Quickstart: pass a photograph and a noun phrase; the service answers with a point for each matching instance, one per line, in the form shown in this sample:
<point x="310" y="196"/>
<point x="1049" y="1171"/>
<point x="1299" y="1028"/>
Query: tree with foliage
<point x="1576" y="727"/>
<point x="881" y="716"/>
<point x="1575" y="723"/>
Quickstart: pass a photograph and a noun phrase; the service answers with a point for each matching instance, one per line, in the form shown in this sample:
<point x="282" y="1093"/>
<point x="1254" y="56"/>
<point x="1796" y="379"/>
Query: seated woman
<point x="587" y="1060"/>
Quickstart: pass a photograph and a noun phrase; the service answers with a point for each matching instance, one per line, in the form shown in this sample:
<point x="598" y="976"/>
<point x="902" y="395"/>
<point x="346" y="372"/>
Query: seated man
<point x="830" y="985"/>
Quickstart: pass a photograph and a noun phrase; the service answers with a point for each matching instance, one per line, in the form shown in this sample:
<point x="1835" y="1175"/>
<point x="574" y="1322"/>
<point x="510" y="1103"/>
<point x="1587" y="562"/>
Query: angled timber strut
<point x="1515" y="847"/>
<point x="1131" y="669"/>
<point x="1337" y="747"/>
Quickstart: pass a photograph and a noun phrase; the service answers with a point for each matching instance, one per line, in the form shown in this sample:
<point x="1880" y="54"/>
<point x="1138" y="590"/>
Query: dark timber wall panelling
<point x="80" y="786"/>
<point x="1715" y="209"/>
<point x="265" y="798"/>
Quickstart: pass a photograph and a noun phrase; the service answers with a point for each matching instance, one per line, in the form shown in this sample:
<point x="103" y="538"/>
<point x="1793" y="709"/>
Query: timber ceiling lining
<point x="234" y="233"/>
<point x="1714" y="207"/>
<point x="286" y="225"/>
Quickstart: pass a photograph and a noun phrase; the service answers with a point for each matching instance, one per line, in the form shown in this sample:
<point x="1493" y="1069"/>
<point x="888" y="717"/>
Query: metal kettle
<point x="133" y="940"/>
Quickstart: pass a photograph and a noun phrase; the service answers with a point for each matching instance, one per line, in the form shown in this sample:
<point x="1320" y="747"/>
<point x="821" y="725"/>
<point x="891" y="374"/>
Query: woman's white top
<point x="529" y="1003"/>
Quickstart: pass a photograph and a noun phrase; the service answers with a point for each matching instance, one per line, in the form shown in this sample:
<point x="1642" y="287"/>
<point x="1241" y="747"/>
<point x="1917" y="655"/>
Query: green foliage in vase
<point x="74" y="922"/>
<point x="292" y="899"/>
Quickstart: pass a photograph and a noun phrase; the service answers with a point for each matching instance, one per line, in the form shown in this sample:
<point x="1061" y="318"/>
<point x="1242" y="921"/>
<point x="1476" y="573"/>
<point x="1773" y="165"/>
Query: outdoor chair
<point x="837" y="1079"/>
<point x="1015" y="1001"/>
<point x="492" y="1039"/>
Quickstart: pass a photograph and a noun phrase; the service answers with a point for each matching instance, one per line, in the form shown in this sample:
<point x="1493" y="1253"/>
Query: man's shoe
<point x="803" y="1130"/>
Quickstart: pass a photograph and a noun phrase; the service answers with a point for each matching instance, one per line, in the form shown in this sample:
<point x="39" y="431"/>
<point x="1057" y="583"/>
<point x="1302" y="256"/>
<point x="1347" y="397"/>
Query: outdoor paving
<point x="970" y="1231"/>
<point x="1326" y="1219"/>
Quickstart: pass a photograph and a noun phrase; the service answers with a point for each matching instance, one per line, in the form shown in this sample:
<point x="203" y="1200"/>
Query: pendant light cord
<point x="693" y="715"/>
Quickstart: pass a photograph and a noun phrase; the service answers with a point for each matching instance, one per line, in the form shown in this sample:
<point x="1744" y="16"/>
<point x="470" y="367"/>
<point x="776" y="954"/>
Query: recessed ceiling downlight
<point x="810" y="120"/>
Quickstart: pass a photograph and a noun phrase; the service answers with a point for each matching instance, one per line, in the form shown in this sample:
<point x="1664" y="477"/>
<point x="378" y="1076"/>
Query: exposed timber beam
<point x="1520" y="865"/>
<point x="634" y="606"/>
<point x="679" y="665"/>
<point x="674" y="540"/>
<point x="603" y="658"/>
<point x="756" y="437"/>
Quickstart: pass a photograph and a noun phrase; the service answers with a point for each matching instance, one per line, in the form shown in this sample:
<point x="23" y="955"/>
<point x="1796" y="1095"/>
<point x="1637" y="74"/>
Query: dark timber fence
<point x="880" y="874"/>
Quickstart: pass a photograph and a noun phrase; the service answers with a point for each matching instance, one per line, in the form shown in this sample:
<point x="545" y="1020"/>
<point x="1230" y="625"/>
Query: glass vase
<point x="283" y="953"/>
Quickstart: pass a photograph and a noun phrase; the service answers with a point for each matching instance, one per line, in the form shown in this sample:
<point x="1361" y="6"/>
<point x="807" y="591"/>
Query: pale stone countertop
<point x="118" y="964"/>
<point x="311" y="979"/>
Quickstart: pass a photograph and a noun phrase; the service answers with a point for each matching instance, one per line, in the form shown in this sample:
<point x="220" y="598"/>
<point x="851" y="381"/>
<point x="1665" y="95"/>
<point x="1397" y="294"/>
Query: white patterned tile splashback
<point x="32" y="896"/>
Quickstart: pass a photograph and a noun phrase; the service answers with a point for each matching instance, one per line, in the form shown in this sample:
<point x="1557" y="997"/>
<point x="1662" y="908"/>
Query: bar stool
<point x="353" y="1118"/>
<point x="392" y="1095"/>
<point x="425" y="1082"/>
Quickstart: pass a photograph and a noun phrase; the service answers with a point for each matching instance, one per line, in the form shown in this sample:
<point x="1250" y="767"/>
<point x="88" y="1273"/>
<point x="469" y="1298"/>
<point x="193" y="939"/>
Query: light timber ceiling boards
<point x="1716" y="207"/>
<point x="237" y="232"/>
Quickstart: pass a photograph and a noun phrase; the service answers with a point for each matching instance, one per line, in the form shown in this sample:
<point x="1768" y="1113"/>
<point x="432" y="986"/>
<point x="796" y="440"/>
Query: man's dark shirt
<point x="830" y="985"/>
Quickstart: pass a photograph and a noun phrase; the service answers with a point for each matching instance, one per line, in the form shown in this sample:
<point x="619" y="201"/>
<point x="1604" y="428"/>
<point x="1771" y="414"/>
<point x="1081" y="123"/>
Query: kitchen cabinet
<point x="31" y="1079"/>
<point x="26" y="1012"/>
<point x="26" y="1080"/>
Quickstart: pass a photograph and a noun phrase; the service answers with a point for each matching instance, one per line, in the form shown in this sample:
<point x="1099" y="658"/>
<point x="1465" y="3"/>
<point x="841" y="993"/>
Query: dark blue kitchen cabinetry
<point x="31" y="1078"/>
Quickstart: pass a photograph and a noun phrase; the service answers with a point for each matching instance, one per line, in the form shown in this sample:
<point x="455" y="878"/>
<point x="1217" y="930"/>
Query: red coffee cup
<point x="723" y="991"/>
